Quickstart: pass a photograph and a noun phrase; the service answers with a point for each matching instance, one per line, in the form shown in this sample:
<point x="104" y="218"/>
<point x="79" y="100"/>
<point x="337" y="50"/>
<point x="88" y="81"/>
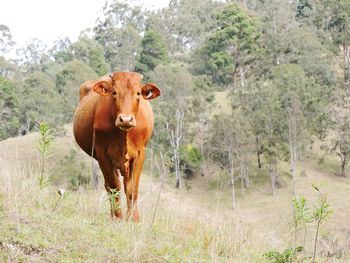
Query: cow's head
<point x="126" y="91"/>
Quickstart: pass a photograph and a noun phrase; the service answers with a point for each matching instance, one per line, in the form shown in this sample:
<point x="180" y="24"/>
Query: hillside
<point x="193" y="225"/>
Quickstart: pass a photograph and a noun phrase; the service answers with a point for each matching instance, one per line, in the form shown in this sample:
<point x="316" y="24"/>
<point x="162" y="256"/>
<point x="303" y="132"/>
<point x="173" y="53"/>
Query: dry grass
<point x="195" y="225"/>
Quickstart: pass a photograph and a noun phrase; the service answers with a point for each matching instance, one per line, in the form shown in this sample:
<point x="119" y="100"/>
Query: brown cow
<point x="114" y="124"/>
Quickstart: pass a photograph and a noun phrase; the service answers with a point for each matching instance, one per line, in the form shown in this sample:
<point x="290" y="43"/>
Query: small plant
<point x="113" y="195"/>
<point x="287" y="255"/>
<point x="302" y="216"/>
<point x="45" y="149"/>
<point x="320" y="214"/>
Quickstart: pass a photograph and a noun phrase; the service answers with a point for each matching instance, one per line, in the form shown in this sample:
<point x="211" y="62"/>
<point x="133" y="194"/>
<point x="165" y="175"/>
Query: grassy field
<point x="193" y="224"/>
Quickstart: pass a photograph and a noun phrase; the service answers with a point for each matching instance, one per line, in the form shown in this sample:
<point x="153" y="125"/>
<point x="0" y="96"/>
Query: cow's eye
<point x="114" y="93"/>
<point x="138" y="93"/>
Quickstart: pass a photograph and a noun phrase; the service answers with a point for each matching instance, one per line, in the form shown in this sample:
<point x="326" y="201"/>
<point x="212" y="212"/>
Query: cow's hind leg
<point x="112" y="185"/>
<point x="131" y="185"/>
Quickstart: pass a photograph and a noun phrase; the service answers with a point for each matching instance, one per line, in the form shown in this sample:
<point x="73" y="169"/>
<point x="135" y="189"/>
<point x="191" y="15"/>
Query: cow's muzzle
<point x="125" y="122"/>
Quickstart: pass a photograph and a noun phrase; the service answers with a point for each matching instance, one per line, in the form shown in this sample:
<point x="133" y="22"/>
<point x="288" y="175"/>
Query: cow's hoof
<point x="117" y="215"/>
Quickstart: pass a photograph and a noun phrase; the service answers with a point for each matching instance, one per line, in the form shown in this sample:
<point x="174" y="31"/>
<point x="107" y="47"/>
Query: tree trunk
<point x="231" y="171"/>
<point x="273" y="175"/>
<point x="246" y="175"/>
<point x="241" y="169"/>
<point x="242" y="76"/>
<point x="343" y="165"/>
<point x="201" y="141"/>
<point x="346" y="66"/>
<point x="177" y="167"/>
<point x="175" y="138"/>
<point x="258" y="152"/>
<point x="344" y="159"/>
<point x="292" y="151"/>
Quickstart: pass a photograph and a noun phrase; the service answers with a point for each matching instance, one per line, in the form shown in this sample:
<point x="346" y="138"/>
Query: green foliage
<point x="90" y="52"/>
<point x="287" y="256"/>
<point x="321" y="213"/>
<point x="61" y="50"/>
<point x="333" y="16"/>
<point x="153" y="53"/>
<point x="231" y="44"/>
<point x="68" y="80"/>
<point x="119" y="32"/>
<point x="322" y="210"/>
<point x="173" y="24"/>
<point x="33" y="55"/>
<point x="39" y="101"/>
<point x="6" y="41"/>
<point x="191" y="155"/>
<point x="9" y="109"/>
<point x="301" y="211"/>
<point x="113" y="194"/>
<point x="303" y="11"/>
<point x="177" y="85"/>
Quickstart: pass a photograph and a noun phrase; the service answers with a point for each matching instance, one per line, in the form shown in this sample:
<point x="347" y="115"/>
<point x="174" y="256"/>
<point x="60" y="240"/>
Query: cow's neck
<point x="125" y="153"/>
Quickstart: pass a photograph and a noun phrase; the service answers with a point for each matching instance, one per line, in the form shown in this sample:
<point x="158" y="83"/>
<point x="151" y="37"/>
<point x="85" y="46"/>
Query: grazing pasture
<point x="191" y="225"/>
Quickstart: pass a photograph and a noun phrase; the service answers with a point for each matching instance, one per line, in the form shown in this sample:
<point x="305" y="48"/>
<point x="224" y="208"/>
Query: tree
<point x="6" y="41"/>
<point x="229" y="49"/>
<point x="90" y="52"/>
<point x="173" y="24"/>
<point x="39" y="101"/>
<point x="68" y="80"/>
<point x="9" y="109"/>
<point x="298" y="100"/>
<point x="119" y="32"/>
<point x="331" y="18"/>
<point x="172" y="108"/>
<point x="61" y="50"/>
<point x="228" y="144"/>
<point x="33" y="55"/>
<point x="153" y="53"/>
<point x="339" y="125"/>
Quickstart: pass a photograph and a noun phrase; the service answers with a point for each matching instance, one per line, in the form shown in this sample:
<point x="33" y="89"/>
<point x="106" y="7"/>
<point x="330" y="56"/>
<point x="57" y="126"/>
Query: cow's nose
<point x="126" y="119"/>
<point x="125" y="122"/>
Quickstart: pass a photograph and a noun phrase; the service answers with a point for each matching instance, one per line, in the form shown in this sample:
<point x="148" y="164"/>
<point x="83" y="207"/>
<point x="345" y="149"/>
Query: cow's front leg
<point x="112" y="185"/>
<point x="131" y="185"/>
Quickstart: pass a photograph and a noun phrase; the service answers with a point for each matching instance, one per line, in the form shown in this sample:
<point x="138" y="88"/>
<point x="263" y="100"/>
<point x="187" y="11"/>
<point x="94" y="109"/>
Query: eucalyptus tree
<point x="339" y="127"/>
<point x="60" y="51"/>
<point x="41" y="103"/>
<point x="229" y="50"/>
<point x="331" y="20"/>
<point x="299" y="102"/>
<point x="183" y="24"/>
<point x="9" y="109"/>
<point x="91" y="53"/>
<point x="172" y="109"/>
<point x="228" y="144"/>
<point x="6" y="40"/>
<point x="67" y="82"/>
<point x="33" y="55"/>
<point x="119" y="32"/>
<point x="153" y="53"/>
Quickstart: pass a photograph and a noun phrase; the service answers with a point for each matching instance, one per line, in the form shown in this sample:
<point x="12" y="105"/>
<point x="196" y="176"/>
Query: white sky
<point x="49" y="20"/>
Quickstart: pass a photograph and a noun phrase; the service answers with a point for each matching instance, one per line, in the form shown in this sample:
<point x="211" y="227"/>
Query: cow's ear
<point x="102" y="87"/>
<point x="150" y="91"/>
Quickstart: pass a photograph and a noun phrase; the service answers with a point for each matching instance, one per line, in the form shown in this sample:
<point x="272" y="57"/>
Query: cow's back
<point x="84" y="121"/>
